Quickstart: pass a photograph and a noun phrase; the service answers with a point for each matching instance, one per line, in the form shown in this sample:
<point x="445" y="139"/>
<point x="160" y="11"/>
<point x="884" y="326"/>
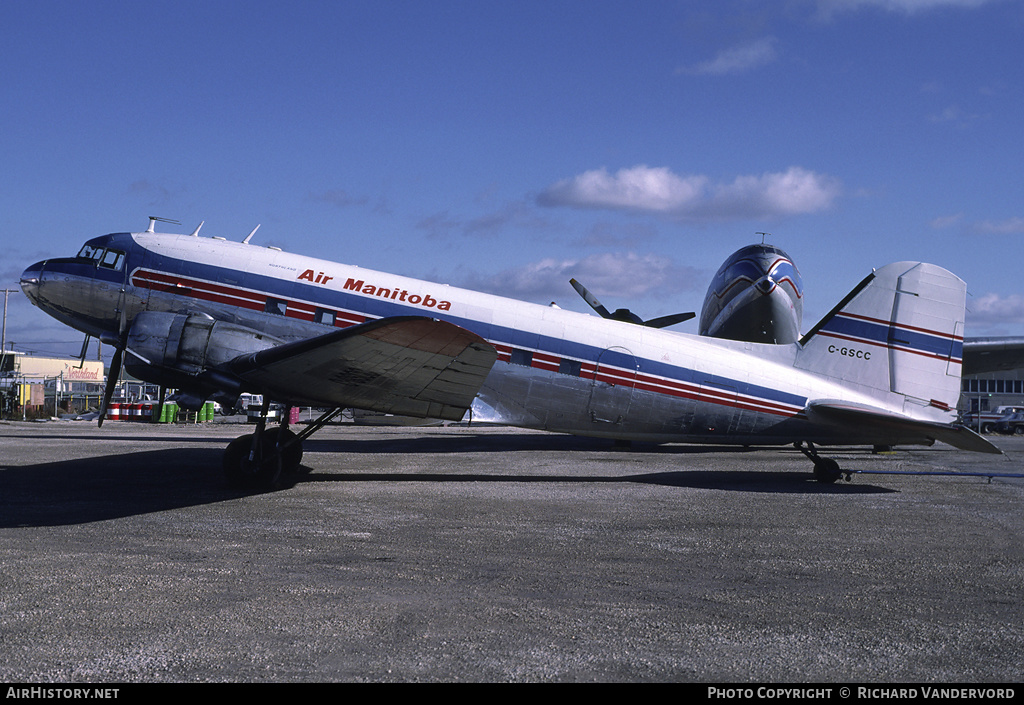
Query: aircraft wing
<point x="992" y="354"/>
<point x="896" y="428"/>
<point x="409" y="365"/>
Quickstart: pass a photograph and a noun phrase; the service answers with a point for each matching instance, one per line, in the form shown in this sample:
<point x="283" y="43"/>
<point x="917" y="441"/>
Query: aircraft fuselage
<point x="557" y="370"/>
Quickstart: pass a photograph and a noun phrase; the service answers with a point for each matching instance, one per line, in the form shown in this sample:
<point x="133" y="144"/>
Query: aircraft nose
<point x="30" y="279"/>
<point x="765" y="285"/>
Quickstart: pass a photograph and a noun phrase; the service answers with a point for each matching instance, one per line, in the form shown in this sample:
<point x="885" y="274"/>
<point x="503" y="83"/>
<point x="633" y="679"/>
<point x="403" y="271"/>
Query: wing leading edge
<point x="409" y="365"/>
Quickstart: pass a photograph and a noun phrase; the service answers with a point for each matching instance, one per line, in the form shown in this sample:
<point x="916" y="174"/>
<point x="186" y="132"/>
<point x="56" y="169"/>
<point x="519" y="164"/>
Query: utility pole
<point x="3" y="332"/>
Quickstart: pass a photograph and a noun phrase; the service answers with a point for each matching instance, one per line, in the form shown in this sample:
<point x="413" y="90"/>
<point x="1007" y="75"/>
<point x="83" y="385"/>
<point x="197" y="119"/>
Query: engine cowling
<point x="186" y="350"/>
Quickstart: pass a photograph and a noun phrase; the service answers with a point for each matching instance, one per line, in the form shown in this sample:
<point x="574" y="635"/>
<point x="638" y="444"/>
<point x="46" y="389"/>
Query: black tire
<point x="827" y="470"/>
<point x="261" y="472"/>
<point x="291" y="458"/>
<point x="232" y="462"/>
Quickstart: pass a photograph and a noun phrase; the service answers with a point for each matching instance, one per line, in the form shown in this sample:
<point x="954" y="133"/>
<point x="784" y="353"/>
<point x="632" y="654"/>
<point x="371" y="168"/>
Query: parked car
<point x="987" y="420"/>
<point x="1011" y="423"/>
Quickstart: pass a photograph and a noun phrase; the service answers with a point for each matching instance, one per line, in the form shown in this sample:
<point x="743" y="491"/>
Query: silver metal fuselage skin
<point x="557" y="370"/>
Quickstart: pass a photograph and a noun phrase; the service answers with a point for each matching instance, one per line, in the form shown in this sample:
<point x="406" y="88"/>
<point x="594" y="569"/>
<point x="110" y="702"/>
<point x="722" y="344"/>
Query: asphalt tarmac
<point x="494" y="554"/>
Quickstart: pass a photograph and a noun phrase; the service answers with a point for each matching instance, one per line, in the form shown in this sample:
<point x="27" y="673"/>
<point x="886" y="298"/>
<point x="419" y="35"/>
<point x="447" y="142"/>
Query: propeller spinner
<point x="627" y="316"/>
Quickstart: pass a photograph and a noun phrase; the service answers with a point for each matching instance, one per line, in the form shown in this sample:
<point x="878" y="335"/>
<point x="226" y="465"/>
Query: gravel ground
<point x="493" y="554"/>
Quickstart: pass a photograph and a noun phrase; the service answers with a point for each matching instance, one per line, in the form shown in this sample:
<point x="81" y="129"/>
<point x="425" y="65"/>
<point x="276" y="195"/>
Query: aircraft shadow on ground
<point x="118" y="485"/>
<point x="728" y="480"/>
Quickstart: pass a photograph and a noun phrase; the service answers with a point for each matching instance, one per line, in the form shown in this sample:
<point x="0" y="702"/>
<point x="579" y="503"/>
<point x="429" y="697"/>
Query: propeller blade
<point x="112" y="374"/>
<point x="590" y="299"/>
<point x="627" y="316"/>
<point x="664" y="321"/>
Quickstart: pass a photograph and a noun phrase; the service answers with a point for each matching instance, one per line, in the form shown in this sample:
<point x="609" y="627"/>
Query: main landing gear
<point x="259" y="460"/>
<point x="826" y="470"/>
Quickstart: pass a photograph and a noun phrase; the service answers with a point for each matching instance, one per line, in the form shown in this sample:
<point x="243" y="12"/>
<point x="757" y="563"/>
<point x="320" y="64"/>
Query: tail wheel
<point x="826" y="470"/>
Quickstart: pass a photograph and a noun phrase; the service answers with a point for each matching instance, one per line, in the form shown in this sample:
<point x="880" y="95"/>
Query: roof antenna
<point x="249" y="236"/>
<point x="195" y="233"/>
<point x="153" y="219"/>
<point x="763" y="236"/>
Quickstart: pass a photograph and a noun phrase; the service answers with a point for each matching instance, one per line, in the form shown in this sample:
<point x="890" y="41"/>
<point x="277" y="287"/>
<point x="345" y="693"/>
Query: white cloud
<point x="736" y="59"/>
<point x="516" y="214"/>
<point x="992" y="311"/>
<point x="830" y="7"/>
<point x="946" y="221"/>
<point x="639" y="188"/>
<point x="1010" y="226"/>
<point x="955" y="116"/>
<point x="621" y="276"/>
<point x="696" y="197"/>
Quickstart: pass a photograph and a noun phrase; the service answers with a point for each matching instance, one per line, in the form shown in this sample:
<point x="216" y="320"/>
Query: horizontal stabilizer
<point x="409" y="365"/>
<point x="892" y="429"/>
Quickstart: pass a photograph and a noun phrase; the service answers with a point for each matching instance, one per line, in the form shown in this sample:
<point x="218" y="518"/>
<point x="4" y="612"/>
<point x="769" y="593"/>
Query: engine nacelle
<point x="184" y="350"/>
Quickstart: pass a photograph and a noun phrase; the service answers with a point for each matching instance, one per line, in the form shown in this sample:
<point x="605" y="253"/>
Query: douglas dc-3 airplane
<point x="215" y="318"/>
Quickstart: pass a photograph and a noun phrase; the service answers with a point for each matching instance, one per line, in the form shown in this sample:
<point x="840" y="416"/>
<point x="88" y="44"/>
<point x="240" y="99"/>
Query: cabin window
<point x="521" y="357"/>
<point x="276" y="306"/>
<point x="570" y="367"/>
<point x="324" y="316"/>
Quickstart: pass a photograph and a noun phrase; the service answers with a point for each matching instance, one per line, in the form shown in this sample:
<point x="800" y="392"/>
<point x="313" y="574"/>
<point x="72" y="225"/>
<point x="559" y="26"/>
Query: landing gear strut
<point x="260" y="459"/>
<point x="826" y="470"/>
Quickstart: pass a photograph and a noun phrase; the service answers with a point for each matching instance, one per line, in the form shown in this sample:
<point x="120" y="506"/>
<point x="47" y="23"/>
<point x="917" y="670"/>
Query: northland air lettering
<point x="397" y="295"/>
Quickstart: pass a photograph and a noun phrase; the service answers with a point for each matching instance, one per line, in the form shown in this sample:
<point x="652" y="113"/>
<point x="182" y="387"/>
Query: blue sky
<point x="511" y="146"/>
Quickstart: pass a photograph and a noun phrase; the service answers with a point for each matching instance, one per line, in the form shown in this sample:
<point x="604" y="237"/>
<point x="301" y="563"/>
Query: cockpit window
<point x="101" y="257"/>
<point x="90" y="252"/>
<point x="112" y="259"/>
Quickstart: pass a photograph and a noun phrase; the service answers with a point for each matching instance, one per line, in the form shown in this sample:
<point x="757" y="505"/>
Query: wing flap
<point x="410" y="365"/>
<point x="892" y="428"/>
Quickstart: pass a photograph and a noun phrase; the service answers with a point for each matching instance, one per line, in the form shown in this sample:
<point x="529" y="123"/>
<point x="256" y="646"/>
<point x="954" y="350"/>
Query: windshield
<point x="90" y="252"/>
<point x="101" y="256"/>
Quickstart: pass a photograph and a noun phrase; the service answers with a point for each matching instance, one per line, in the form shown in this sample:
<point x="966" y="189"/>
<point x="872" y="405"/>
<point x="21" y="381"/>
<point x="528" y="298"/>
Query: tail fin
<point x="898" y="337"/>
